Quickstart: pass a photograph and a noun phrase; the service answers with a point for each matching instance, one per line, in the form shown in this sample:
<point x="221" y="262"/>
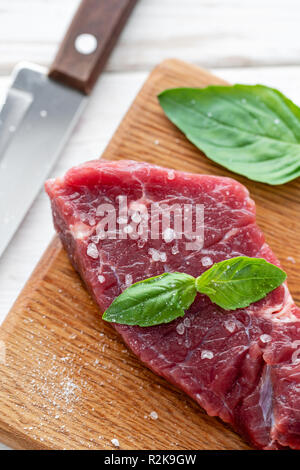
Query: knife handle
<point x="88" y="42"/>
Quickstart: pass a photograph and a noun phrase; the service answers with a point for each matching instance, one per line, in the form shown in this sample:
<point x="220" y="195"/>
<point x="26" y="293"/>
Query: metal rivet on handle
<point x="86" y="44"/>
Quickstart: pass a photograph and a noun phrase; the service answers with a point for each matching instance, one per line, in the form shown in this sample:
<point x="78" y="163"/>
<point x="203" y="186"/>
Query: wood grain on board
<point x="68" y="381"/>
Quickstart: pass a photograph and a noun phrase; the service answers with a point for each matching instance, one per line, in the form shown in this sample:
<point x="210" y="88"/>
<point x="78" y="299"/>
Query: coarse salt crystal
<point x="156" y="141"/>
<point x="205" y="354"/>
<point x="180" y="328"/>
<point x="206" y="261"/>
<point x="141" y="243"/>
<point x="171" y="175"/>
<point x="136" y="217"/>
<point x="128" y="279"/>
<point x="230" y="325"/>
<point x="291" y="259"/>
<point x="157" y="255"/>
<point x="175" y="250"/>
<point x="154" y="254"/>
<point x="115" y="442"/>
<point x="169" y="235"/>
<point x="265" y="338"/>
<point x="153" y="415"/>
<point x="128" y="229"/>
<point x="187" y="322"/>
<point x="80" y="231"/>
<point x="101" y="278"/>
<point x="92" y="251"/>
<point x="122" y="220"/>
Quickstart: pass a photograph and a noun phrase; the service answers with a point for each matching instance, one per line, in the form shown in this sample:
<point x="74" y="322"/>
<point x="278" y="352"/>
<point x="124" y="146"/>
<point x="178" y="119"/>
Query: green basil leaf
<point x="251" y="130"/>
<point x="156" y="300"/>
<point x="231" y="284"/>
<point x="238" y="282"/>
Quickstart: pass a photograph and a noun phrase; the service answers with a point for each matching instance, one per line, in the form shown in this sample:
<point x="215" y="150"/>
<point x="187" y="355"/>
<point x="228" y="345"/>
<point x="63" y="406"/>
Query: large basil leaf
<point x="238" y="282"/>
<point x="156" y="300"/>
<point x="251" y="130"/>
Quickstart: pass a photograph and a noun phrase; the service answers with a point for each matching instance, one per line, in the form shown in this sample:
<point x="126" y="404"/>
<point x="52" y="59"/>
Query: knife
<point x="41" y="109"/>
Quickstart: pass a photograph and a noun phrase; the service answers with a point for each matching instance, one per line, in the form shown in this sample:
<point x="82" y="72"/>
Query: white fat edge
<point x="282" y="312"/>
<point x="265" y="396"/>
<point x="296" y="354"/>
<point x="231" y="233"/>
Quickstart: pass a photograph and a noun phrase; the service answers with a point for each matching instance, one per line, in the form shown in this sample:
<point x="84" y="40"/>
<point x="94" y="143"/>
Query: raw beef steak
<point x="244" y="365"/>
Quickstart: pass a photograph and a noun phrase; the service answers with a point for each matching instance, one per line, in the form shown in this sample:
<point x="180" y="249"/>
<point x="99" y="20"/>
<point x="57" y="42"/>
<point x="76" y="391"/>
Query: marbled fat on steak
<point x="244" y="365"/>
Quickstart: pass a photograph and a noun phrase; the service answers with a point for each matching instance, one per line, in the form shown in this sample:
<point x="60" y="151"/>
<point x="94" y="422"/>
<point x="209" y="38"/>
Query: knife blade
<point x="41" y="109"/>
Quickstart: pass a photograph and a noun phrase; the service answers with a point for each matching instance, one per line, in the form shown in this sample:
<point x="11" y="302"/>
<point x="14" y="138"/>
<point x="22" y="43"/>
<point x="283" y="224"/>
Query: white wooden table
<point x="249" y="41"/>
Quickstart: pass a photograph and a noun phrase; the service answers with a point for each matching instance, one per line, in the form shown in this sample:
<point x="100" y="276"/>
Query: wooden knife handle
<point x="89" y="41"/>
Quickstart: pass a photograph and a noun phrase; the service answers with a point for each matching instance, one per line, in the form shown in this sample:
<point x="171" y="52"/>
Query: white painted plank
<point x="211" y="33"/>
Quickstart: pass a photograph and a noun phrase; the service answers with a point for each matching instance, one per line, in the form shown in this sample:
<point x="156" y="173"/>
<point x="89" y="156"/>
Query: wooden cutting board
<point x="68" y="381"/>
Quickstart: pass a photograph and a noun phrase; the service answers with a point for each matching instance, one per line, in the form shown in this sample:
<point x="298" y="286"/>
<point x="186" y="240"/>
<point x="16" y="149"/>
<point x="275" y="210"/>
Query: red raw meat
<point x="244" y="365"/>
